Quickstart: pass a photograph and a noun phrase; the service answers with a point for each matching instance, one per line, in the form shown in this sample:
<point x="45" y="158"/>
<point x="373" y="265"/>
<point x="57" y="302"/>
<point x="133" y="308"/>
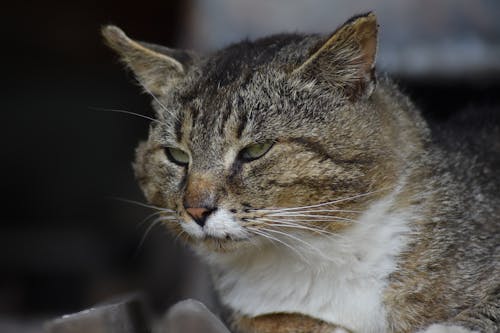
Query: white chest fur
<point x="341" y="281"/>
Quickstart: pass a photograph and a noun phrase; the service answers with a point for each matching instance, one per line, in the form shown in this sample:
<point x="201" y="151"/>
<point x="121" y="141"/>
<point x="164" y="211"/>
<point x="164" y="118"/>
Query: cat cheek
<point x="222" y="224"/>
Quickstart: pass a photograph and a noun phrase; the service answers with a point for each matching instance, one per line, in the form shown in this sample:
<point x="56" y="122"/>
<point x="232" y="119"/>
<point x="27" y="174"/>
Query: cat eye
<point x="177" y="156"/>
<point x="255" y="151"/>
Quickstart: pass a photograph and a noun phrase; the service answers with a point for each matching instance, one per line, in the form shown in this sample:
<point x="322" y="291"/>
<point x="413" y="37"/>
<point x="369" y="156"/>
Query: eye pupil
<point x="177" y="156"/>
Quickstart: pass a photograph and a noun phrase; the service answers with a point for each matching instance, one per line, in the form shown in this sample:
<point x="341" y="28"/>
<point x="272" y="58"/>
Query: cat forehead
<point x="236" y="64"/>
<point x="242" y="74"/>
<point x="238" y="89"/>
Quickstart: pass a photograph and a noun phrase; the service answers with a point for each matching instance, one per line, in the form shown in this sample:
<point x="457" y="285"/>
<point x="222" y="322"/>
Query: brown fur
<point x="282" y="323"/>
<point x="338" y="132"/>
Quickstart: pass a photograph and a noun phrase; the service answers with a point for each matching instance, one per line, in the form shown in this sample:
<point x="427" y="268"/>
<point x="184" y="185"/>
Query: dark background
<point x="65" y="241"/>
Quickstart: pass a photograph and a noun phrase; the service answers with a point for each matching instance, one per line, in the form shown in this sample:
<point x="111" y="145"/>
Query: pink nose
<point x="199" y="214"/>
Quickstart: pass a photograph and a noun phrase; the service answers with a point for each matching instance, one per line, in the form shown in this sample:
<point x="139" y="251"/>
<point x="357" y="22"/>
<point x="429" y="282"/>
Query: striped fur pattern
<point x="358" y="217"/>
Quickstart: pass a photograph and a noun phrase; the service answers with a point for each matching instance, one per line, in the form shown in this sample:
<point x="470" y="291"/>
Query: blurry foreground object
<point x="126" y="316"/>
<point x="130" y="315"/>
<point x="191" y="316"/>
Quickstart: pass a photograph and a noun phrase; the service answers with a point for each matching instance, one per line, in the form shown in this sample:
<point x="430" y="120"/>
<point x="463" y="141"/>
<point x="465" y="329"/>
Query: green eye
<point x="177" y="156"/>
<point x="255" y="151"/>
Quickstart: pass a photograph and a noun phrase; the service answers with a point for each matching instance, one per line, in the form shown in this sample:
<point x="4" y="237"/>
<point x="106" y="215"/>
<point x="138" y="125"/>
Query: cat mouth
<point x="223" y="244"/>
<point x="225" y="238"/>
<point x="220" y="226"/>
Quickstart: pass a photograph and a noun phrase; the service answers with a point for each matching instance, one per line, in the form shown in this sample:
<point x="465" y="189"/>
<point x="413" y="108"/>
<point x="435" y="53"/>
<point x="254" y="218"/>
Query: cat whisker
<point x="126" y="112"/>
<point x="322" y="204"/>
<point x="322" y="231"/>
<point x="286" y="222"/>
<point x="310" y="215"/>
<point x="331" y="219"/>
<point x="163" y="107"/>
<point x="273" y="239"/>
<point x="296" y="239"/>
<point x="263" y="234"/>
<point x="320" y="211"/>
<point x="182" y="232"/>
<point x="147" y="218"/>
<point x="316" y="218"/>
<point x="169" y="219"/>
<point x="138" y="203"/>
<point x="278" y="223"/>
<point x="145" y="235"/>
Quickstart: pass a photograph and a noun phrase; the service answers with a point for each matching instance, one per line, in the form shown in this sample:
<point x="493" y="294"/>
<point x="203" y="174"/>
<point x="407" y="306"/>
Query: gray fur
<point x="342" y="135"/>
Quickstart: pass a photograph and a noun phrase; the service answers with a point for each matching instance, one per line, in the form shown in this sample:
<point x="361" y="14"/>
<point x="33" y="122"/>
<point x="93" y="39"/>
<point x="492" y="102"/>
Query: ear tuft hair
<point x="347" y="59"/>
<point x="154" y="68"/>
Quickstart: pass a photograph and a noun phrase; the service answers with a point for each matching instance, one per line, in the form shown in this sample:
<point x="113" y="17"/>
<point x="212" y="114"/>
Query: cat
<point x="315" y="190"/>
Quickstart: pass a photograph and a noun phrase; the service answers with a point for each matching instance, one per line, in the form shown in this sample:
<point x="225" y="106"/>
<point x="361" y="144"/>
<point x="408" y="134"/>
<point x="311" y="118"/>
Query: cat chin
<point x="203" y="243"/>
<point x="220" y="245"/>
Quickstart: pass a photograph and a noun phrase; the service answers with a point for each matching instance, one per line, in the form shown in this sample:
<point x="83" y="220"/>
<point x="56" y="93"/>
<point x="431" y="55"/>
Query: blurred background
<point x="66" y="242"/>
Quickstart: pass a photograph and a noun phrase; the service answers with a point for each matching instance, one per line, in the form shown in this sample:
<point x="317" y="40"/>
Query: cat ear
<point x="347" y="59"/>
<point x="156" y="67"/>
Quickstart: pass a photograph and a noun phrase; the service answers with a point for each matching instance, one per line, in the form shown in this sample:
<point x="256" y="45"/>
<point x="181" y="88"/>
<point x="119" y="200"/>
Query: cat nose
<point x="200" y="214"/>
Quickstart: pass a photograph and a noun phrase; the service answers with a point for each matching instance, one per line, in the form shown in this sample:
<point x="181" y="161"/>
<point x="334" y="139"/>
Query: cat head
<point x="279" y="135"/>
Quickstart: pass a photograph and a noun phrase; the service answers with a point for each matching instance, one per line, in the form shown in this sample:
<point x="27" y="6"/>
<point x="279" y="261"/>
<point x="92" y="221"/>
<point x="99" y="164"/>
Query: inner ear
<point x="156" y="67"/>
<point x="346" y="60"/>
